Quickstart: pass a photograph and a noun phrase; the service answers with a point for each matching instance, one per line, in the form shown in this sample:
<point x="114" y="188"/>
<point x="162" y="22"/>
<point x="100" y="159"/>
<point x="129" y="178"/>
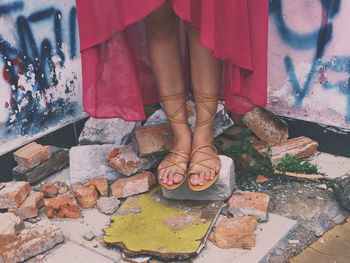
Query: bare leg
<point x="206" y="78"/>
<point x="162" y="28"/>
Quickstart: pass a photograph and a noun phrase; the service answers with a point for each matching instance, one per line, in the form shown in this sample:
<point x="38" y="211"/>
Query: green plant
<point x="245" y="152"/>
<point x="261" y="164"/>
<point x="290" y="164"/>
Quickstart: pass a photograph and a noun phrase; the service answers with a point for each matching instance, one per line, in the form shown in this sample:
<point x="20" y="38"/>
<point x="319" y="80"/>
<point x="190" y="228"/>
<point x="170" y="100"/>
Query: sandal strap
<point x="211" y="156"/>
<point x="199" y="162"/>
<point x="201" y="98"/>
<point x="182" y="154"/>
<point x="198" y="149"/>
<point x="182" y="108"/>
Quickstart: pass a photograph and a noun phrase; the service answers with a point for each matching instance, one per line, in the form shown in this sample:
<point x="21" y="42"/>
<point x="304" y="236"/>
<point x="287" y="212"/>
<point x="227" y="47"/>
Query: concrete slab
<point x="334" y="246"/>
<point x="150" y="224"/>
<point x="92" y="220"/>
<point x="71" y="252"/>
<point x="267" y="237"/>
<point x="332" y="165"/>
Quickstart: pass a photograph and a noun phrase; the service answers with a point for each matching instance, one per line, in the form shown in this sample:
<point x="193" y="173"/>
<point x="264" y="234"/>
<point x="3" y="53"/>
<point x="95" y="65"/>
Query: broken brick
<point x="62" y="190"/>
<point x="261" y="179"/>
<point x="125" y="160"/>
<point x="29" y="242"/>
<point x="267" y="126"/>
<point x="298" y="148"/>
<point x="10" y="223"/>
<point x="30" y="207"/>
<point x="153" y="140"/>
<point x="13" y="194"/>
<point x="63" y="206"/>
<point x="32" y="155"/>
<point x="101" y="185"/>
<point x="49" y="190"/>
<point x="249" y="203"/>
<point x="236" y="232"/>
<point x="136" y="184"/>
<point x="59" y="160"/>
<point x="86" y="195"/>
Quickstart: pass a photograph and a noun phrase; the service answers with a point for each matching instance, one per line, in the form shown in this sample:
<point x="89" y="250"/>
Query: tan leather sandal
<point x="201" y="99"/>
<point x="184" y="155"/>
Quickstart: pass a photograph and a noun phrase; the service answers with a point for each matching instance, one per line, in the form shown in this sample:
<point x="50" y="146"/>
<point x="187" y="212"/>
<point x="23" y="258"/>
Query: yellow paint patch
<point x="148" y="229"/>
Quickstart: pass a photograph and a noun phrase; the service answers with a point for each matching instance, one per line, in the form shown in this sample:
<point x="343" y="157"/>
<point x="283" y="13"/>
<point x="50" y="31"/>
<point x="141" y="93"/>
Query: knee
<point x="162" y="23"/>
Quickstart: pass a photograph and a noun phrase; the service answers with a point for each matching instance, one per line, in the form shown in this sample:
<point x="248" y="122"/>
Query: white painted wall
<point x="309" y="60"/>
<point x="40" y="69"/>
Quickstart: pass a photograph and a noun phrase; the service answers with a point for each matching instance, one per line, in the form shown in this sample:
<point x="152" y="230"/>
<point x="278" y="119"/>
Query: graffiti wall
<point x="40" y="71"/>
<point x="309" y="60"/>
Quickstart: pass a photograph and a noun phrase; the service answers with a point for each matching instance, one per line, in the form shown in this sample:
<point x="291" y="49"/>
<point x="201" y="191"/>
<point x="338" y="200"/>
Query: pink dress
<point x="117" y="77"/>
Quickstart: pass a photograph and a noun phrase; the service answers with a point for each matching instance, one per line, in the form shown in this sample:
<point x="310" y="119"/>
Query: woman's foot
<point x="173" y="168"/>
<point x="206" y="170"/>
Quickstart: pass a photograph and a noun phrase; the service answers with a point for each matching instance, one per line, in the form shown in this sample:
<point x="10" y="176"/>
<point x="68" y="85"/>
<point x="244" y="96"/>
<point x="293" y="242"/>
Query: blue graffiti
<point x="318" y="41"/>
<point x="31" y="58"/>
<point x="9" y="8"/>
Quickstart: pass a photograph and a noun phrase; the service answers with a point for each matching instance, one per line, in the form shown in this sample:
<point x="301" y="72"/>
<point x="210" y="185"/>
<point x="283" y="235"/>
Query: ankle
<point x="182" y="138"/>
<point x="203" y="134"/>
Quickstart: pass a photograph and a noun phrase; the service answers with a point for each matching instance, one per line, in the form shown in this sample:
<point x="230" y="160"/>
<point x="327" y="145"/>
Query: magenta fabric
<point x="117" y="77"/>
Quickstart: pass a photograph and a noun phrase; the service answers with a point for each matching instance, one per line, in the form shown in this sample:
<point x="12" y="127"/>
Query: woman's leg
<point x="162" y="27"/>
<point x="206" y="78"/>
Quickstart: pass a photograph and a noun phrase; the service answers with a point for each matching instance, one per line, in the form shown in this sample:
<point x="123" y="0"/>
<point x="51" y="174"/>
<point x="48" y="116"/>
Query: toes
<point x="217" y="168"/>
<point x="212" y="174"/>
<point x="207" y="175"/>
<point x="165" y="176"/>
<point x="160" y="174"/>
<point x="194" y="179"/>
<point x="201" y="178"/>
<point x="170" y="179"/>
<point x="178" y="178"/>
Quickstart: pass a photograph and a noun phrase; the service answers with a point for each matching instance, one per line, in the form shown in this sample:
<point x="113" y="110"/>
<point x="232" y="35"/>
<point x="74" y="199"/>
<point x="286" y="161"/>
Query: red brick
<point x="30" y="207"/>
<point x="59" y="159"/>
<point x="13" y="194"/>
<point x="136" y="184"/>
<point x="63" y="206"/>
<point x="298" y="148"/>
<point x="32" y="155"/>
<point x="29" y="242"/>
<point x="86" y="195"/>
<point x="125" y="160"/>
<point x="267" y="126"/>
<point x="153" y="140"/>
<point x="261" y="179"/>
<point x="101" y="185"/>
<point x="249" y="203"/>
<point x="236" y="232"/>
<point x="49" y="190"/>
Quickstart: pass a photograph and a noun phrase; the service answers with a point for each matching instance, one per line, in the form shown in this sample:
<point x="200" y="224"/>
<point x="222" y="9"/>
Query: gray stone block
<point x="107" y="131"/>
<point x="59" y="160"/>
<point x="221" y="190"/>
<point x="89" y="162"/>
